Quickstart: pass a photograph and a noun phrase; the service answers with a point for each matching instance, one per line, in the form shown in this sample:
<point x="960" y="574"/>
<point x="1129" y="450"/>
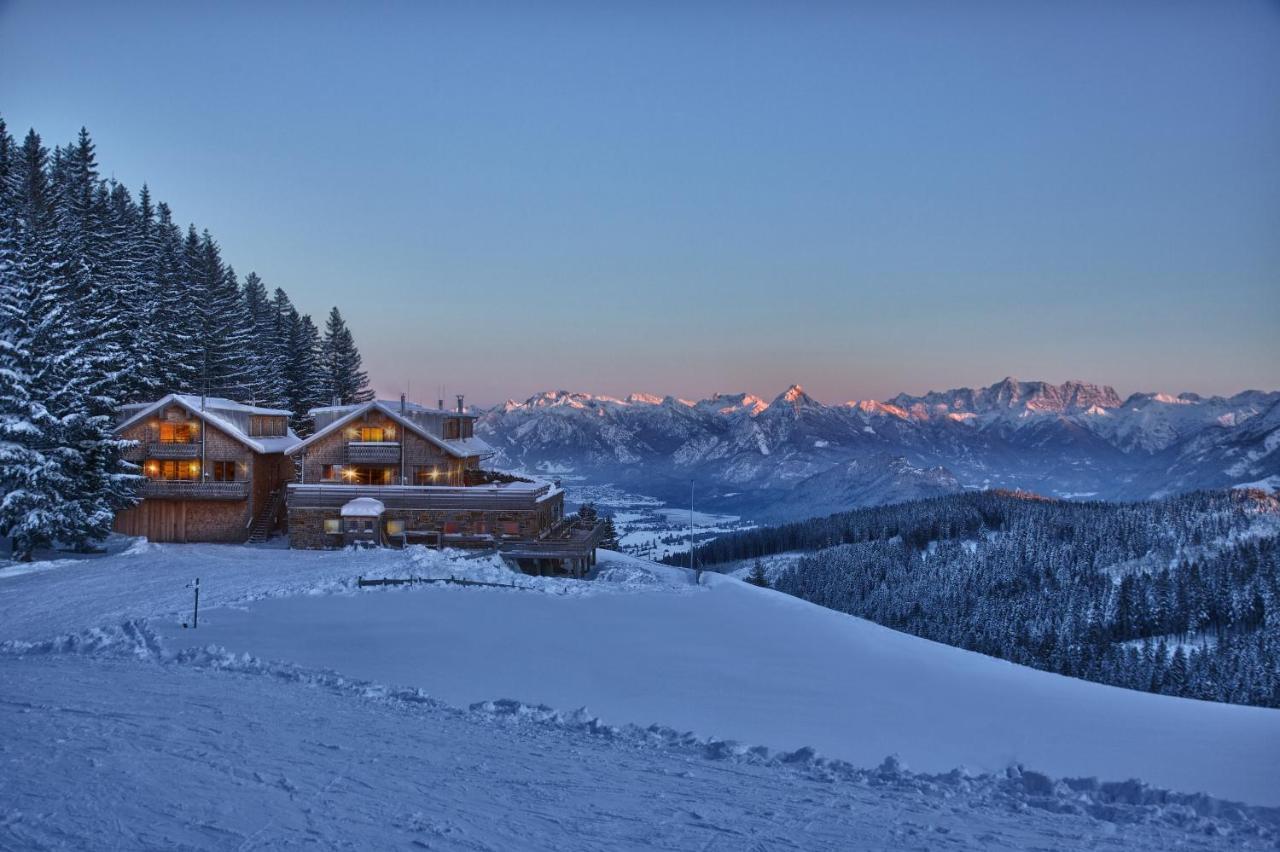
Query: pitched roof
<point x="413" y="407"/>
<point x="459" y="448"/>
<point x="209" y="414"/>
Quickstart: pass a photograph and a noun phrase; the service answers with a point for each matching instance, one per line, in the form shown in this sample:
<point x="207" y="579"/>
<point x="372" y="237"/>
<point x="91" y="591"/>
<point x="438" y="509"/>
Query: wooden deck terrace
<point x="512" y="496"/>
<point x="569" y="546"/>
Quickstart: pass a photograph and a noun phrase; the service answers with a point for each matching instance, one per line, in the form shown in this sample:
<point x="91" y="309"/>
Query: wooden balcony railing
<point x="171" y="450"/>
<point x="373" y="452"/>
<point x="182" y="489"/>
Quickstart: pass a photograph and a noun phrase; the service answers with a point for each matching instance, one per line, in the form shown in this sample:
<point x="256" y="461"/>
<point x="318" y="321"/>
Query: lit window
<point x="176" y="433"/>
<point x="395" y="527"/>
<point x="333" y="526"/>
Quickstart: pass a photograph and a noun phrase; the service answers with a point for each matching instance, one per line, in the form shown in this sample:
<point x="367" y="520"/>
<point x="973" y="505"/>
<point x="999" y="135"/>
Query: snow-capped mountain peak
<point x="795" y="453"/>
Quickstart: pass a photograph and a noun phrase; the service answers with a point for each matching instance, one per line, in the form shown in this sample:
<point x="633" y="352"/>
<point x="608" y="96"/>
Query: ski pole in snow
<point x="195" y="613"/>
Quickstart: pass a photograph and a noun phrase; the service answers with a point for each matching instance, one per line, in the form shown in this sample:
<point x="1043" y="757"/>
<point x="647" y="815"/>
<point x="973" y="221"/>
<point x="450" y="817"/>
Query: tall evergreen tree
<point x="262" y="365"/>
<point x="344" y="380"/>
<point x="34" y="476"/>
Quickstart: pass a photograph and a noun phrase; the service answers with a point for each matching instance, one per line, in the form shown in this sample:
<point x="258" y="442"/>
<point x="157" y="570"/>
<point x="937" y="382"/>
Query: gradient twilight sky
<point x="690" y="198"/>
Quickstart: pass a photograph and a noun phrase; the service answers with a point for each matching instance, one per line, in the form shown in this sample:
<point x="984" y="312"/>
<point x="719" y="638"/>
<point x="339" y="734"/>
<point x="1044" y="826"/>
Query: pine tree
<point x="95" y="298"/>
<point x="264" y="380"/>
<point x="757" y="576"/>
<point x="175" y="330"/>
<point x="303" y="379"/>
<point x="344" y="380"/>
<point x="33" y="463"/>
<point x="610" y="537"/>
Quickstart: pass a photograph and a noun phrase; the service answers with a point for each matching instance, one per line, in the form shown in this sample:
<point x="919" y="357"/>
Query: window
<point x="333" y="526"/>
<point x="176" y="433"/>
<point x="452" y="428"/>
<point x="224" y="471"/>
<point x="426" y="474"/>
<point x="510" y="528"/>
<point x="450" y="527"/>
<point x="371" y="433"/>
<point x="353" y="525"/>
<point x="395" y="527"/>
<point x="171" y="469"/>
<point x="266" y="425"/>
<point x="368" y="525"/>
<point x="353" y="474"/>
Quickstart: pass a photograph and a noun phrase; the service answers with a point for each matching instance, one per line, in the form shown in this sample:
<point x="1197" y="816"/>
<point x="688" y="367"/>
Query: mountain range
<point x="795" y="456"/>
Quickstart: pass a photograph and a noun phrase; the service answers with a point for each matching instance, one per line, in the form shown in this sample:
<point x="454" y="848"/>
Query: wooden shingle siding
<point x="177" y="510"/>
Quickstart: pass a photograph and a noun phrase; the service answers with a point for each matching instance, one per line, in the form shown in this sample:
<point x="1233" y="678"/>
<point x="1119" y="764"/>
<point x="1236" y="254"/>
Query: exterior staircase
<point x="265" y="523"/>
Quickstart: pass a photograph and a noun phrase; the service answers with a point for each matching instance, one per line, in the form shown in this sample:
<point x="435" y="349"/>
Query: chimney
<point x="440" y="404"/>
<point x="461" y="410"/>
<point x="403" y="407"/>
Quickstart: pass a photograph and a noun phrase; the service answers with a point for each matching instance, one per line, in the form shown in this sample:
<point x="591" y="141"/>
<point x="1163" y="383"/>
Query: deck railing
<point x="515" y="497"/>
<point x="172" y="450"/>
<point x="373" y="452"/>
<point x="185" y="489"/>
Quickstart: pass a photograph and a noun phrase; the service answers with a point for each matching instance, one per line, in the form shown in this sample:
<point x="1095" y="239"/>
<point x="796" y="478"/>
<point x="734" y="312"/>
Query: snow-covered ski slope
<point x="396" y="715"/>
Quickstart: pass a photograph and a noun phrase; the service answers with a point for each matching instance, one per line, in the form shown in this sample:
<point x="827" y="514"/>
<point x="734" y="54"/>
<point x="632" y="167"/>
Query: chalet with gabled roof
<point x="215" y="469"/>
<point x="392" y="474"/>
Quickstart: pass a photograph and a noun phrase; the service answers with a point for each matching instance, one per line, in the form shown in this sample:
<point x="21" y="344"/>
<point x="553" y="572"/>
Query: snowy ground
<point x="126" y="731"/>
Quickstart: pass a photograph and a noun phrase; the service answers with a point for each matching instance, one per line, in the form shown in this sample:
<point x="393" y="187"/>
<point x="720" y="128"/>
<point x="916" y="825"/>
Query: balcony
<point x="372" y="452"/>
<point x="189" y="489"/>
<point x="172" y="450"/>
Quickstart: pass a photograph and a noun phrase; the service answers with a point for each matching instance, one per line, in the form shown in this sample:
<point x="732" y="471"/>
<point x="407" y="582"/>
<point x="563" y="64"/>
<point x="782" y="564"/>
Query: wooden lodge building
<point x="392" y="474"/>
<point x="215" y="469"/>
<point x="378" y="473"/>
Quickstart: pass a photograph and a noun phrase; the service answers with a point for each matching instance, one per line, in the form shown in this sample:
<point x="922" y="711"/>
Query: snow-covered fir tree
<point x="105" y="300"/>
<point x="344" y="380"/>
<point x="1179" y="596"/>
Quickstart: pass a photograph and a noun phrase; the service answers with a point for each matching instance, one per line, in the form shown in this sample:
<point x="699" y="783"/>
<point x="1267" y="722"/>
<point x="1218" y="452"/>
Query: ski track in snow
<point x="116" y="741"/>
<point x="125" y="745"/>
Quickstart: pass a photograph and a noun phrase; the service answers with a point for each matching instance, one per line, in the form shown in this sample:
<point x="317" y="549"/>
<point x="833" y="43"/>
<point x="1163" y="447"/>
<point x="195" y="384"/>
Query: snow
<point x="721" y="716"/>
<point x="363" y="507"/>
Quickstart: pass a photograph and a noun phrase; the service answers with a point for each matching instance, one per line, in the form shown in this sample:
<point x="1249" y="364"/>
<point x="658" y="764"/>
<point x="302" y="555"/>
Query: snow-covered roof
<point x="458" y="447"/>
<point x="363" y="507"/>
<point x="390" y="403"/>
<point x="219" y="413"/>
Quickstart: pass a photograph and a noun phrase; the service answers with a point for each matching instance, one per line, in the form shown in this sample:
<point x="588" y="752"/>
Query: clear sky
<point x="695" y="197"/>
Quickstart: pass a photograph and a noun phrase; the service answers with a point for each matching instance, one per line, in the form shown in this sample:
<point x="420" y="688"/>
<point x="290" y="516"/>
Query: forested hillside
<point x="1179" y="596"/>
<point x="105" y="299"/>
